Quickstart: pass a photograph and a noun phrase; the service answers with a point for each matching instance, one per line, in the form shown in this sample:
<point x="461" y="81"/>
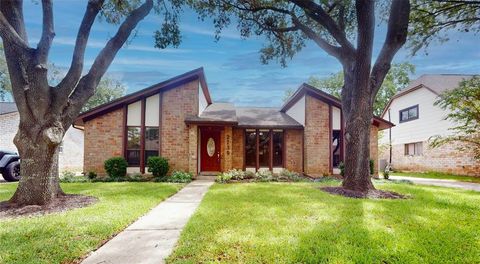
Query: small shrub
<point x="264" y="176"/>
<point x="341" y="166"/>
<point x="289" y="175"/>
<point x="68" y="177"/>
<point x="386" y="172"/>
<point x="116" y="168"/>
<point x="248" y="175"/>
<point x="158" y="166"/>
<point x="224" y="177"/>
<point x="180" y="176"/>
<point x="372" y="167"/>
<point x="92" y="175"/>
<point x="137" y="177"/>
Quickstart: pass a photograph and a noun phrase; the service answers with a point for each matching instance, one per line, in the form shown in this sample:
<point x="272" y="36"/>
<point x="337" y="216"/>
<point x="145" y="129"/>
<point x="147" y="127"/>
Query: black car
<point x="10" y="165"/>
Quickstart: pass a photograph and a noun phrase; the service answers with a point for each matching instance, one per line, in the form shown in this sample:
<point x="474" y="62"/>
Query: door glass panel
<point x="210" y="147"/>
<point x="277" y="149"/>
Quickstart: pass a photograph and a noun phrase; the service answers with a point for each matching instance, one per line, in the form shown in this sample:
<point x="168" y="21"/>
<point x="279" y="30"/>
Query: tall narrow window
<point x="151" y="142"/>
<point x="277" y="148"/>
<point x="250" y="148"/>
<point x="264" y="148"/>
<point x="133" y="146"/>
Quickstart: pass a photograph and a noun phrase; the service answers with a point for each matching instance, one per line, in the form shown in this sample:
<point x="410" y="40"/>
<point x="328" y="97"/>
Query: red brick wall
<point x="177" y="104"/>
<point x="103" y="139"/>
<point x="238" y="148"/>
<point x="317" y="139"/>
<point x="293" y="155"/>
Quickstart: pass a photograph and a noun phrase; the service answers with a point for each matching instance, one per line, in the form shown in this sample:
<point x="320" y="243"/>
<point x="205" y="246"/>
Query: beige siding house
<point x="71" y="151"/>
<point x="416" y="120"/>
<point x="178" y="119"/>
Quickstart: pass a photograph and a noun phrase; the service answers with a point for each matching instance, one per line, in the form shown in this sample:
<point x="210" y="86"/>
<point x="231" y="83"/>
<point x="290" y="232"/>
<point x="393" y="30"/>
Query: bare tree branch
<point x="396" y="37"/>
<point x="48" y="33"/>
<point x="70" y="80"/>
<point x="9" y="34"/>
<point x="317" y="13"/>
<point x="87" y="84"/>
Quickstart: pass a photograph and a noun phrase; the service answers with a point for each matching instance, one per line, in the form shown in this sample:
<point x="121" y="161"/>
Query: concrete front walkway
<point x="440" y="182"/>
<point x="152" y="237"/>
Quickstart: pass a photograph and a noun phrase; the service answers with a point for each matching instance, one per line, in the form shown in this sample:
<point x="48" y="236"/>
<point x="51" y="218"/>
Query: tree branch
<point x="9" y="34"/>
<point x="73" y="75"/>
<point x="334" y="51"/>
<point x="87" y="84"/>
<point x="396" y="37"/>
<point x="317" y="13"/>
<point x="48" y="33"/>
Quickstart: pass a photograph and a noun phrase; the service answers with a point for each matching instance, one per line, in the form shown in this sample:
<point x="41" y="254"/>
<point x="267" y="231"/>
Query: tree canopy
<point x="436" y="20"/>
<point x="397" y="78"/>
<point x="463" y="106"/>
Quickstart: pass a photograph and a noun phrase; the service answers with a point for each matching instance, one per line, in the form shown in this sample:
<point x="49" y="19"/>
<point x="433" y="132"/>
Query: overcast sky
<point x="232" y="66"/>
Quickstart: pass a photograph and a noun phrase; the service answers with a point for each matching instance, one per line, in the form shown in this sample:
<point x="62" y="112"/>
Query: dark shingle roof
<point x="7" y="107"/>
<point x="216" y="112"/>
<point x="264" y="117"/>
<point x="438" y="83"/>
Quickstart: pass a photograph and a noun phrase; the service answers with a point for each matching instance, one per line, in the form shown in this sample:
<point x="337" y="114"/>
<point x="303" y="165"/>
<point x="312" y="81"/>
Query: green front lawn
<point x="65" y="237"/>
<point x="437" y="175"/>
<point x="297" y="223"/>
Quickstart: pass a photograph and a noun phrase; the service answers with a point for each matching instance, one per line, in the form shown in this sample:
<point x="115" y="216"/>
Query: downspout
<point x="389" y="139"/>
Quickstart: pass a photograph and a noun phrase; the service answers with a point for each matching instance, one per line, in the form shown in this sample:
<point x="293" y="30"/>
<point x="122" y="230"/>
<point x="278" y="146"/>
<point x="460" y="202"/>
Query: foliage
<point x="158" y="166"/>
<point x="463" y="106"/>
<point x="92" y="175"/>
<point x="264" y="176"/>
<point x="435" y="20"/>
<point x="234" y="174"/>
<point x="297" y="223"/>
<point x="397" y="78"/>
<point x="386" y="173"/>
<point x="371" y="166"/>
<point x="5" y="86"/>
<point x="69" y="177"/>
<point x="341" y="166"/>
<point x="116" y="167"/>
<point x="69" y="236"/>
<point x="180" y="177"/>
<point x="286" y="175"/>
<point x="107" y="90"/>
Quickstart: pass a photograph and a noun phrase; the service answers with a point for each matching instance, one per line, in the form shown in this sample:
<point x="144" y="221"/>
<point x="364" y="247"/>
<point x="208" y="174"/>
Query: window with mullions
<point x="133" y="146"/>
<point x="151" y="142"/>
<point x="250" y="148"/>
<point x="270" y="148"/>
<point x="409" y="114"/>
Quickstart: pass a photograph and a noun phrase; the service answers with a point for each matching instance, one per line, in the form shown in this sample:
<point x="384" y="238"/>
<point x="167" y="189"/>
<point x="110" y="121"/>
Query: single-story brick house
<point x="177" y="119"/>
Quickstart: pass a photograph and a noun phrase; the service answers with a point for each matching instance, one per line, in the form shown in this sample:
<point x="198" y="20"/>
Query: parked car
<point x="10" y="165"/>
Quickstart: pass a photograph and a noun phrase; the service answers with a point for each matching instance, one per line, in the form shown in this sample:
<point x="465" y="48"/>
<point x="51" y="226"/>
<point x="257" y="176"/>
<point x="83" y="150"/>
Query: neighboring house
<point x="416" y="120"/>
<point x="71" y="151"/>
<point x="177" y="119"/>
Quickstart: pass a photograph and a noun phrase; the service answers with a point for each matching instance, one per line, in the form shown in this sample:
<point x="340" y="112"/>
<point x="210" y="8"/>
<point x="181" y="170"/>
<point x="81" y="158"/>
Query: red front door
<point x="210" y="149"/>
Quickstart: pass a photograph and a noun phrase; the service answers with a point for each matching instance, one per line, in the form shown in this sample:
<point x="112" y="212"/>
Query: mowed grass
<point x="298" y="223"/>
<point x="438" y="175"/>
<point x="66" y="237"/>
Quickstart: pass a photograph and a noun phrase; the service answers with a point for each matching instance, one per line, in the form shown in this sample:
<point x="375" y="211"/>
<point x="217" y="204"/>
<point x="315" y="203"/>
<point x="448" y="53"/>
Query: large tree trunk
<point x="39" y="182"/>
<point x="357" y="112"/>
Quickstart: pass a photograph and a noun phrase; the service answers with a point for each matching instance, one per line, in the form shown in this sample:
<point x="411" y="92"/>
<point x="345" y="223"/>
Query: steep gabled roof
<point x="149" y="91"/>
<point x="436" y="83"/>
<point x="329" y="99"/>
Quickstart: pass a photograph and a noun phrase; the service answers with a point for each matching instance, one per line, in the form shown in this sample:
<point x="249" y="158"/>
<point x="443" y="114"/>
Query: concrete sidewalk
<point x="152" y="237"/>
<point x="440" y="182"/>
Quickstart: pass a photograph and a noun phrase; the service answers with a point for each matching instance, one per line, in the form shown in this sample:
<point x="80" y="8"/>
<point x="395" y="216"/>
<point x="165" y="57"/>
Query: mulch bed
<point x="372" y="194"/>
<point x="62" y="203"/>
